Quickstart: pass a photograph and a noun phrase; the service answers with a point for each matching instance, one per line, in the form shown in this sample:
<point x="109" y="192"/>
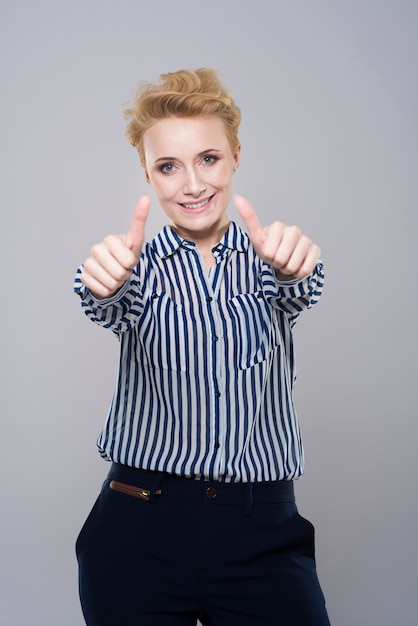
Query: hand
<point x="112" y="261"/>
<point x="283" y="247"/>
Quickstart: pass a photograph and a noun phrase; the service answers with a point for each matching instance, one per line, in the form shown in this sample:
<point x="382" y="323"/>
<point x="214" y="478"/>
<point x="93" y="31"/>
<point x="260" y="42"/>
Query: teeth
<point x="197" y="205"/>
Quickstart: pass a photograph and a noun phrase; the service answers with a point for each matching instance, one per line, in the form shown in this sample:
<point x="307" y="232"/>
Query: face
<point x="189" y="163"/>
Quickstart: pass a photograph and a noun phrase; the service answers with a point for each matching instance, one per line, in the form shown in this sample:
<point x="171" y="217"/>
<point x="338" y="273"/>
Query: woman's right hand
<point x="111" y="262"/>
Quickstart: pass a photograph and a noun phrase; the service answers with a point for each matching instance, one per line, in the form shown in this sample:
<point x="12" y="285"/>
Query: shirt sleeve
<point x="120" y="312"/>
<point x="293" y="296"/>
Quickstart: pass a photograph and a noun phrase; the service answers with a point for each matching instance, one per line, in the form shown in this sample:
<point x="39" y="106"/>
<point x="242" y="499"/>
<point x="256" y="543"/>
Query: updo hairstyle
<point x="186" y="93"/>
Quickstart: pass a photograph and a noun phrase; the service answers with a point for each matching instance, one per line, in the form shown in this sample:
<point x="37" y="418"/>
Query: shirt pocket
<point x="161" y="333"/>
<point x="254" y="328"/>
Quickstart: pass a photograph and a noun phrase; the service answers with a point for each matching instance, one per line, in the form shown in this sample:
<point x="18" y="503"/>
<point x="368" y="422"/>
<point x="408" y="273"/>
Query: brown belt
<point x="137" y="492"/>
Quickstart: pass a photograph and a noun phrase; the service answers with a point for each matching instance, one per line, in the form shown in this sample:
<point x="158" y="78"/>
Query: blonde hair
<point x="186" y="93"/>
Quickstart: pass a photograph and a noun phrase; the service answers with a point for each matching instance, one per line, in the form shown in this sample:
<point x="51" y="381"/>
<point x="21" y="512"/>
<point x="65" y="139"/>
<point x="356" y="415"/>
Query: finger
<point x="309" y="263"/>
<point x="100" y="284"/>
<point x="254" y="228"/>
<point x="272" y="244"/>
<point x="136" y="233"/>
<point x="287" y="239"/>
<point x="92" y="284"/>
<point x="303" y="259"/>
<point x="113" y="257"/>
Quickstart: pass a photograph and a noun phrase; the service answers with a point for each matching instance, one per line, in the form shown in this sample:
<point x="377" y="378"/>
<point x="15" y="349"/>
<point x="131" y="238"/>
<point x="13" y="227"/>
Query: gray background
<point x="328" y="92"/>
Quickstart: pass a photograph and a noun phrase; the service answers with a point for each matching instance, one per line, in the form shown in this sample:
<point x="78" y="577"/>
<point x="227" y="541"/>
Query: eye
<point x="167" y="168"/>
<point x="209" y="159"/>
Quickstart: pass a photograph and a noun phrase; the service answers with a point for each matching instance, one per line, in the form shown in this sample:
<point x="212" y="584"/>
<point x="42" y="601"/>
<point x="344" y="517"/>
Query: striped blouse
<point x="207" y="367"/>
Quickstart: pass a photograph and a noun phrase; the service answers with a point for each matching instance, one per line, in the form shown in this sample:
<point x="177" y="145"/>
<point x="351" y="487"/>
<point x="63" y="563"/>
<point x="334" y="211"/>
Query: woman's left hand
<point x="292" y="254"/>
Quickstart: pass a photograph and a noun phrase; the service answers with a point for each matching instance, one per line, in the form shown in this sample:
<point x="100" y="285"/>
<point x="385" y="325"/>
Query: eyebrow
<point x="200" y="154"/>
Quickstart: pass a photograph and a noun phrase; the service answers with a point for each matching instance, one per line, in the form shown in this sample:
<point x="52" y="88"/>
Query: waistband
<point x="150" y="485"/>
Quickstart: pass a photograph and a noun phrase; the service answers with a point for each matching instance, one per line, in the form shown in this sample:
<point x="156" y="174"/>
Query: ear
<point x="237" y="157"/>
<point x="146" y="176"/>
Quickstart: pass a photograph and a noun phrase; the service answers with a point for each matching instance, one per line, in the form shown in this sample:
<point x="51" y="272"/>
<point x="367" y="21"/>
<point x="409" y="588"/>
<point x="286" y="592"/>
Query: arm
<point x="290" y="253"/>
<point x="291" y="271"/>
<point x="119" y="311"/>
<point x="293" y="295"/>
<point x="108" y="280"/>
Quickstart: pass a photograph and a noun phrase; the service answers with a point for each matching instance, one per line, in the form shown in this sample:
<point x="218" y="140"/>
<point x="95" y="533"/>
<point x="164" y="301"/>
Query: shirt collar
<point x="167" y="242"/>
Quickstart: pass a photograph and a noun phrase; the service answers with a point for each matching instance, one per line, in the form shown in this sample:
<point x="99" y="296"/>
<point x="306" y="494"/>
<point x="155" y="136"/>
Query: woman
<point x="197" y="517"/>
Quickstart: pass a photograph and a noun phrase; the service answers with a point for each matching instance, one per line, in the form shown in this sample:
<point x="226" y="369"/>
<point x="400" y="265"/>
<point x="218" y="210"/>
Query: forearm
<point x="291" y="294"/>
<point x="119" y="311"/>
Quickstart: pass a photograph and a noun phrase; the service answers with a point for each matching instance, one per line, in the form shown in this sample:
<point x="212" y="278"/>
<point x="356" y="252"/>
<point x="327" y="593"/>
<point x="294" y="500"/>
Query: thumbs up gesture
<point x="111" y="262"/>
<point x="285" y="248"/>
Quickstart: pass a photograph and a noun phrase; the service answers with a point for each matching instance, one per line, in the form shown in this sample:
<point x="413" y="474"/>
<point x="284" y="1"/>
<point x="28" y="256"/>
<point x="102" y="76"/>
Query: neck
<point x="205" y="241"/>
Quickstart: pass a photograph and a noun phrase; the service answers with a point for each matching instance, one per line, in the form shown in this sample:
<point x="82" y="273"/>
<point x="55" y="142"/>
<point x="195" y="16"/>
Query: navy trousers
<point x="159" y="550"/>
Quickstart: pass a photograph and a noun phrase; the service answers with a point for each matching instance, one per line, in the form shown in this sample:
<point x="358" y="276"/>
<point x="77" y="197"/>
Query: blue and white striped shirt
<point x="207" y="364"/>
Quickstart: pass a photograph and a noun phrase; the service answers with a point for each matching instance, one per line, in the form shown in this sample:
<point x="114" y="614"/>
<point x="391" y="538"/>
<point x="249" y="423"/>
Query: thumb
<point x="136" y="234"/>
<point x="254" y="228"/>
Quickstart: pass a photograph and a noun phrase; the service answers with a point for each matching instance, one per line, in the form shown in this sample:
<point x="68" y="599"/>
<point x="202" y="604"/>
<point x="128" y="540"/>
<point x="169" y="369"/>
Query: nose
<point x="193" y="186"/>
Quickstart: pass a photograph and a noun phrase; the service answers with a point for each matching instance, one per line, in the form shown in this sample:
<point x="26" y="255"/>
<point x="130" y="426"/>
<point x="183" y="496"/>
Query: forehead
<point x="185" y="135"/>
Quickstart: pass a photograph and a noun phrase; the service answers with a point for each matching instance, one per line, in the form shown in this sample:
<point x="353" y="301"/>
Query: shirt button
<point x="217" y="445"/>
<point x="214" y="338"/>
<point x="209" y="299"/>
<point x="211" y="492"/>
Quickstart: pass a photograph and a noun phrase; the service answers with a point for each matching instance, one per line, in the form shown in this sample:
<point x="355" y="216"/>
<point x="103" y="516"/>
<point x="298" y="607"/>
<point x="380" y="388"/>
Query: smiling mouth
<point x="197" y="205"/>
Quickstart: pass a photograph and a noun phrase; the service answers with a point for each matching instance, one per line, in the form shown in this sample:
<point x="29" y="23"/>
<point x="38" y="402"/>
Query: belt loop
<point x="155" y="485"/>
<point x="249" y="499"/>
